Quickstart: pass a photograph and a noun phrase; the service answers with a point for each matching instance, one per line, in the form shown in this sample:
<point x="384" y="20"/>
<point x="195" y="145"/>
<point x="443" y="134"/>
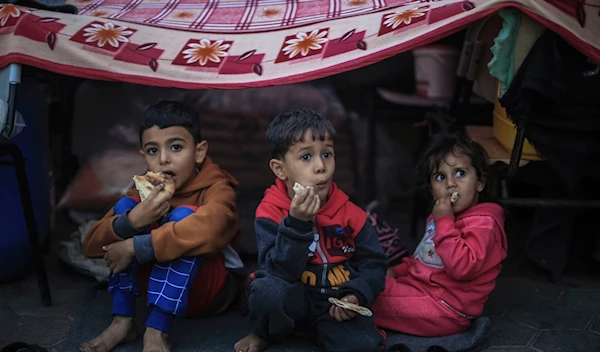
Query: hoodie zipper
<point x="456" y="311"/>
<point x="322" y="255"/>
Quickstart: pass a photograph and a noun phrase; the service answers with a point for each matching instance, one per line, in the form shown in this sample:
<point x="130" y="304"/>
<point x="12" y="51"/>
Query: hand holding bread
<point x="155" y="191"/>
<point x="305" y="203"/>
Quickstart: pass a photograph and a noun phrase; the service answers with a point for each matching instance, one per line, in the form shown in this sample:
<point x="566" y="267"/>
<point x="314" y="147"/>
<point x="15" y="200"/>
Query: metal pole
<point x="515" y="157"/>
<point x="12" y="75"/>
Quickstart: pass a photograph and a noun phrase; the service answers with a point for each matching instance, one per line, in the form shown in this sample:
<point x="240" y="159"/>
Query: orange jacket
<point x="209" y="230"/>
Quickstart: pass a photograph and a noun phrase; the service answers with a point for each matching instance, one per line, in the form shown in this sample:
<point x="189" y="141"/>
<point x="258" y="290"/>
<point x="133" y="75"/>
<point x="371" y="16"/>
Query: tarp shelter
<point x="204" y="44"/>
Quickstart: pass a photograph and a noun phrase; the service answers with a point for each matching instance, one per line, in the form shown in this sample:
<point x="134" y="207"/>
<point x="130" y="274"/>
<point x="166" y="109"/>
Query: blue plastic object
<point x="15" y="252"/>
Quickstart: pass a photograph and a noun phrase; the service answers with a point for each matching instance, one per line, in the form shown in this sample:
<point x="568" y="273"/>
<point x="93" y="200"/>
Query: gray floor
<point x="528" y="314"/>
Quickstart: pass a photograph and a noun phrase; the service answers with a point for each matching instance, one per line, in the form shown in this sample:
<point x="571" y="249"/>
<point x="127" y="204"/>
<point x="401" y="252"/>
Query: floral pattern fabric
<point x="201" y="44"/>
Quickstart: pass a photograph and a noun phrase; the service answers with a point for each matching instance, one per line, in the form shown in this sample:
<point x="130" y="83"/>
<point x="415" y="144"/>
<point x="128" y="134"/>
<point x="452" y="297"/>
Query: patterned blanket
<point x="204" y="44"/>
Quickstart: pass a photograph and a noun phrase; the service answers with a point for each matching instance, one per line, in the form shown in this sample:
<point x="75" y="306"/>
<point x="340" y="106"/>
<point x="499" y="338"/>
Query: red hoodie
<point x="458" y="259"/>
<point x="335" y="254"/>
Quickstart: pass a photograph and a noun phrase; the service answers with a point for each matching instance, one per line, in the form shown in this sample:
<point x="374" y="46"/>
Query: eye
<point x="152" y="151"/>
<point x="439" y="177"/>
<point x="176" y="147"/>
<point x="327" y="155"/>
<point x="460" y="173"/>
<point x="305" y="157"/>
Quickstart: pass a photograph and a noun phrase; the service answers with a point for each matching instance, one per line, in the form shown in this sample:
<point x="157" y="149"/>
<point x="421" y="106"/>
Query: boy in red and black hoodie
<point x="311" y="246"/>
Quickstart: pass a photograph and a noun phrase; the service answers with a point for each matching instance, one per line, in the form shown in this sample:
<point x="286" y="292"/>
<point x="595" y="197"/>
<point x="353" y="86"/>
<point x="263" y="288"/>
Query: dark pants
<point x="277" y="307"/>
<point x="168" y="285"/>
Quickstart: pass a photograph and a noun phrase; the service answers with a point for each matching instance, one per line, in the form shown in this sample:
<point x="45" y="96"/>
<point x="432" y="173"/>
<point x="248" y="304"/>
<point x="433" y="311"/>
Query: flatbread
<point x="298" y="188"/>
<point x="351" y="306"/>
<point x="454" y="197"/>
<point x="146" y="183"/>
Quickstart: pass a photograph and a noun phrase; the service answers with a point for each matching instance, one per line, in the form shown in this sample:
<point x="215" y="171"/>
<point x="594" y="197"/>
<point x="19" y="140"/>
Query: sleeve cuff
<point x="144" y="252"/>
<point x="362" y="301"/>
<point x="299" y="225"/>
<point x="123" y="227"/>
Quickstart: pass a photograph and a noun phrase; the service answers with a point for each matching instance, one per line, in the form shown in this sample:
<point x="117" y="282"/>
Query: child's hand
<point x="390" y="273"/>
<point x="341" y="314"/>
<point x="305" y="205"/>
<point x="442" y="207"/>
<point x="151" y="209"/>
<point x="119" y="255"/>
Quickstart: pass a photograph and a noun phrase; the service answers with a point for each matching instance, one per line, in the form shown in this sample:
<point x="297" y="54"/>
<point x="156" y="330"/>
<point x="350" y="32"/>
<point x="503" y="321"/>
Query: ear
<point x="278" y="168"/>
<point x="142" y="152"/>
<point x="201" y="150"/>
<point x="481" y="184"/>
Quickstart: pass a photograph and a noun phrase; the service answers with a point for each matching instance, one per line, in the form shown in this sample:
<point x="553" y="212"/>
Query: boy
<point x="311" y="246"/>
<point x="177" y="243"/>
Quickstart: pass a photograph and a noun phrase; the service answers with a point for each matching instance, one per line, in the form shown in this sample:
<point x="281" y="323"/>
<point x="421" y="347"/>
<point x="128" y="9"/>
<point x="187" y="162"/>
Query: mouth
<point x="321" y="184"/>
<point x="169" y="174"/>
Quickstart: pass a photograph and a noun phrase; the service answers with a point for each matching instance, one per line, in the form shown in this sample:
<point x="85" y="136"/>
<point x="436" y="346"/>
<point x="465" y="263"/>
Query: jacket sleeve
<point x="283" y="248"/>
<point x="206" y="231"/>
<point x="111" y="228"/>
<point x="370" y="263"/>
<point x="470" y="251"/>
<point x="100" y="234"/>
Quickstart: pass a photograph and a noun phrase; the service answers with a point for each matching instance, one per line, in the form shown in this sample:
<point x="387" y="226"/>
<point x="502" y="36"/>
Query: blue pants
<point x="168" y="285"/>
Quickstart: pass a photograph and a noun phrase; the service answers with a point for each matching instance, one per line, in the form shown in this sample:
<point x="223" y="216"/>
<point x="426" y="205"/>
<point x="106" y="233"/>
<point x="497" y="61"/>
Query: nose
<point x="319" y="166"/>
<point x="164" y="158"/>
<point x="450" y="182"/>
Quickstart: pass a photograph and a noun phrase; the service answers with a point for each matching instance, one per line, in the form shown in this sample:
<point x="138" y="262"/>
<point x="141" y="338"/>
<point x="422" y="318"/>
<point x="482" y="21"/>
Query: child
<point x="444" y="285"/>
<point x="311" y="246"/>
<point x="178" y="243"/>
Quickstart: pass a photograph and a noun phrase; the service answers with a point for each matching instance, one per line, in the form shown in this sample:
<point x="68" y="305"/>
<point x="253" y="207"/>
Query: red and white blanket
<point x="252" y="43"/>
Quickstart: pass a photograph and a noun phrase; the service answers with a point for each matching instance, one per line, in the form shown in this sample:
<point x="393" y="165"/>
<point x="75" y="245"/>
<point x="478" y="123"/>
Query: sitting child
<point x="177" y="243"/>
<point x="444" y="285"/>
<point x="311" y="246"/>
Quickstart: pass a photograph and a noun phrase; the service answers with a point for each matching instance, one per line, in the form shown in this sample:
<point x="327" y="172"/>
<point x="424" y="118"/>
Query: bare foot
<point x="121" y="330"/>
<point x="156" y="341"/>
<point x="250" y="343"/>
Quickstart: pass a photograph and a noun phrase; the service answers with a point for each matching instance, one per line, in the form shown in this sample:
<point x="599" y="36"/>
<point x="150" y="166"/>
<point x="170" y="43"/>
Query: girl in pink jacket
<point x="444" y="285"/>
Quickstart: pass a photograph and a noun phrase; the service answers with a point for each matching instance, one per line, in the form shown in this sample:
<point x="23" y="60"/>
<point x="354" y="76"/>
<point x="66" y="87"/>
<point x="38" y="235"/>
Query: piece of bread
<point x="351" y="306"/>
<point x="454" y="197"/>
<point x="146" y="183"/>
<point x="298" y="188"/>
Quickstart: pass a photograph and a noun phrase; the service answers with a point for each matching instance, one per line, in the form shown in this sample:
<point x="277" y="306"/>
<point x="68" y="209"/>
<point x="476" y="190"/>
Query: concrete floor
<point x="528" y="313"/>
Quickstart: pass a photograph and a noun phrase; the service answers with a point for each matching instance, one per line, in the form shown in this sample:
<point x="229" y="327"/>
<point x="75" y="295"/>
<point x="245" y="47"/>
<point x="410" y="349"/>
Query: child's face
<point x="172" y="150"/>
<point x="310" y="163"/>
<point x="457" y="174"/>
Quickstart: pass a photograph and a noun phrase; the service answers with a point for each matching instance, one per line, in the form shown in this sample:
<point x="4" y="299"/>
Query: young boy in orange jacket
<point x="170" y="245"/>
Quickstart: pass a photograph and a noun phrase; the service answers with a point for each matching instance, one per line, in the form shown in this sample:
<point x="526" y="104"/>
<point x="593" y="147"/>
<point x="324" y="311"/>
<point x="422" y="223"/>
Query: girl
<point x="444" y="285"/>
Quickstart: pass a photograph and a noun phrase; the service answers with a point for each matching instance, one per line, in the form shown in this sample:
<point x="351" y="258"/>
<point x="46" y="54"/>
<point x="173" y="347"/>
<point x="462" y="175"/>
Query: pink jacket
<point x="459" y="258"/>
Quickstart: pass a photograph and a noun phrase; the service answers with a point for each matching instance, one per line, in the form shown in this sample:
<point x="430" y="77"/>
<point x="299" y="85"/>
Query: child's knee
<point x="263" y="295"/>
<point x="181" y="212"/>
<point x="270" y="293"/>
<point x="124" y="204"/>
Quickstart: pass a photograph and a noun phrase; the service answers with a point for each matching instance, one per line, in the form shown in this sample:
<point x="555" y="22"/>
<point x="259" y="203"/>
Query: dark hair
<point x="289" y="127"/>
<point x="458" y="144"/>
<point x="166" y="114"/>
